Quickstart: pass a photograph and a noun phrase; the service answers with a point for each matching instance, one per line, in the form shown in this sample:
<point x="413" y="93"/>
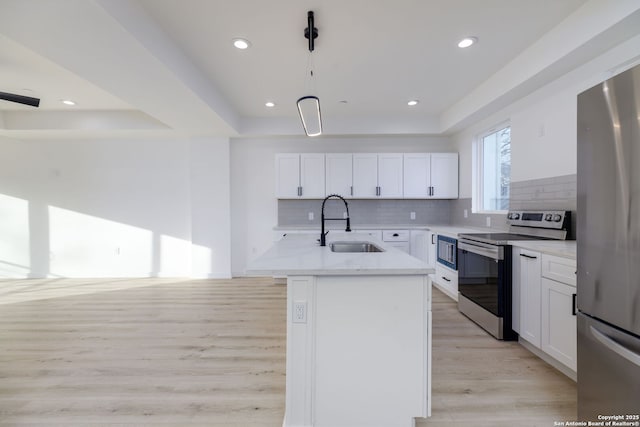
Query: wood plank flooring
<point x="162" y="352"/>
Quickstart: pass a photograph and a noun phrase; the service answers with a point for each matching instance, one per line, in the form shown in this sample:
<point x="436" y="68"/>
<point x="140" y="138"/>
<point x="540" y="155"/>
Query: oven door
<point x="481" y="275"/>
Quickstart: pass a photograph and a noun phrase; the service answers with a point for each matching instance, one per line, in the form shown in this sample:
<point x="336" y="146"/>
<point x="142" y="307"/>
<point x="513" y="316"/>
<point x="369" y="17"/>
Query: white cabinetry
<point x="377" y="175"/>
<point x="446" y="280"/>
<point x="430" y="176"/>
<point x="420" y="244"/>
<point x="398" y="239"/>
<point x="432" y="244"/>
<point x="526" y="281"/>
<point x="558" y="309"/>
<point x="300" y="176"/>
<point x="339" y="174"/>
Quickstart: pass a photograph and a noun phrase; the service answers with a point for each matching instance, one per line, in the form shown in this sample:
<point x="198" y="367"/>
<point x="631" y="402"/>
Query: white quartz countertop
<point x="447" y="230"/>
<point x="301" y="254"/>
<point x="339" y="226"/>
<point x="562" y="248"/>
<point x="454" y="230"/>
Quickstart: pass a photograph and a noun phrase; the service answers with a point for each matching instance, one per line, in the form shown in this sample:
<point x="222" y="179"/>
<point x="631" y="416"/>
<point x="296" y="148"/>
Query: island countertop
<point x="301" y="254"/>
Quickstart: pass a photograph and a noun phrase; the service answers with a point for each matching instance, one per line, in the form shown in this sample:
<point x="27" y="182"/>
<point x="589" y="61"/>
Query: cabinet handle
<point x="444" y="278"/>
<point x="395" y="235"/>
<point x="352" y="190"/>
<point x="529" y="256"/>
<point x="299" y="191"/>
<point x="574" y="305"/>
<point x="433" y="191"/>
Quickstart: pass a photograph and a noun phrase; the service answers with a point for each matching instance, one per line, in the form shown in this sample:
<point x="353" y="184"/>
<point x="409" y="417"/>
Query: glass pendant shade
<point x="309" y="109"/>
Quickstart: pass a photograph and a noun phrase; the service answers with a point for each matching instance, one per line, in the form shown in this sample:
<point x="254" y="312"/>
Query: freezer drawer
<point x="608" y="370"/>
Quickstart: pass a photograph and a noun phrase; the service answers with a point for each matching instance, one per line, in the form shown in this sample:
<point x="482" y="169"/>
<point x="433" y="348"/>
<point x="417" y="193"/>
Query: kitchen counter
<point x="454" y="230"/>
<point x="358" y="325"/>
<point x="562" y="248"/>
<point x="301" y="254"/>
<point x="447" y="230"/>
<point x="355" y="227"/>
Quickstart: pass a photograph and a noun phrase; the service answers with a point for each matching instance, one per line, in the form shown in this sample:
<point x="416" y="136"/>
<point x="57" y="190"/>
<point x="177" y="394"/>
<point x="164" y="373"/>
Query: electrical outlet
<point x="412" y="215"/>
<point x="310" y="216"/>
<point x="466" y="213"/>
<point x="299" y="312"/>
<point x="488" y="221"/>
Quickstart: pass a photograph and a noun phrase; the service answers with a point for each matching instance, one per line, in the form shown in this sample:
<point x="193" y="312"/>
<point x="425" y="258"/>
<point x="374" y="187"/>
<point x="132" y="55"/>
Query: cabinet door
<point x="312" y="176"/>
<point x="559" y="333"/>
<point x="432" y="243"/>
<point x="403" y="246"/>
<point x="417" y="170"/>
<point x="529" y="284"/>
<point x="365" y="175"/>
<point x="339" y="174"/>
<point x="444" y="176"/>
<point x="390" y="175"/>
<point x="287" y="176"/>
<point x="419" y="244"/>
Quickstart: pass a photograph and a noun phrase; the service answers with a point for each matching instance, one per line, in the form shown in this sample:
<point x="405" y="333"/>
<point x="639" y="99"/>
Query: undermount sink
<point x="354" y="247"/>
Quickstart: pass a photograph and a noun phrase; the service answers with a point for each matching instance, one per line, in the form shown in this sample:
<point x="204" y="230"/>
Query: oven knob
<point x="547" y="217"/>
<point x="515" y="216"/>
<point x="557" y="218"/>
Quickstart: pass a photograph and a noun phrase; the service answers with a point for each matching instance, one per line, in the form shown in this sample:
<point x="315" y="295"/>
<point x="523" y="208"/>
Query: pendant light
<point x="309" y="106"/>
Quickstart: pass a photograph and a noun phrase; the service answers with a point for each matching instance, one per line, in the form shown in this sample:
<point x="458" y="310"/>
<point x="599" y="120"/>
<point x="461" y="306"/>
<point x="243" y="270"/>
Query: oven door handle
<point x="493" y="252"/>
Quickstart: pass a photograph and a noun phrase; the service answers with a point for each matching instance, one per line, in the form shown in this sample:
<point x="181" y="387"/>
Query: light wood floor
<point x="160" y="352"/>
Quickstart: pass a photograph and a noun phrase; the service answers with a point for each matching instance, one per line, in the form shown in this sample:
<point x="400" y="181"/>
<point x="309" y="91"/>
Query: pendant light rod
<point x="311" y="32"/>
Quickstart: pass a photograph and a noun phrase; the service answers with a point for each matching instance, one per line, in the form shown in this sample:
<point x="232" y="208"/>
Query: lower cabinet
<point x="446" y="280"/>
<point x="398" y="239"/>
<point x="559" y="338"/>
<point x="526" y="281"/>
<point x="544" y="292"/>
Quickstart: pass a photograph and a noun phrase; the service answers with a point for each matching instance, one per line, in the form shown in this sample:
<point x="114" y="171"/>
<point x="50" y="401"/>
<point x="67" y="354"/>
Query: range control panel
<point x="540" y="219"/>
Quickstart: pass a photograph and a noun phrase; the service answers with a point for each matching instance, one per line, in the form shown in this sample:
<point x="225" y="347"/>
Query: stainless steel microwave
<point x="448" y="251"/>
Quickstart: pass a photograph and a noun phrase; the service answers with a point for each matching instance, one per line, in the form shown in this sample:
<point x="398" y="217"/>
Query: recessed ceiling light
<point x="412" y="102"/>
<point x="467" y="41"/>
<point x="68" y="102"/>
<point x="270" y="104"/>
<point x="241" y="43"/>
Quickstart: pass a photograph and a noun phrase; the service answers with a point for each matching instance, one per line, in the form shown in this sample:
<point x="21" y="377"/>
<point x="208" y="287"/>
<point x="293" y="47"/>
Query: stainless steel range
<point x="484" y="267"/>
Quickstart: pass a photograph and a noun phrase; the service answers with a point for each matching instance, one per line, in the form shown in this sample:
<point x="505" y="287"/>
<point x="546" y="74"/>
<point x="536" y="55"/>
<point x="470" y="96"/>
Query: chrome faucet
<point x="323" y="240"/>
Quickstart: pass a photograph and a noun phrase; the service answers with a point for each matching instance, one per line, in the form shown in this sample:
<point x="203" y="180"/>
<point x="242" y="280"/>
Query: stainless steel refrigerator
<point x="608" y="240"/>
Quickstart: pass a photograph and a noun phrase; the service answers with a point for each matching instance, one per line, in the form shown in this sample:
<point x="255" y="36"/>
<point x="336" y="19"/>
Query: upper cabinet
<point x="367" y="175"/>
<point x="339" y="174"/>
<point x="300" y="176"/>
<point x="431" y="176"/>
<point x="377" y="175"/>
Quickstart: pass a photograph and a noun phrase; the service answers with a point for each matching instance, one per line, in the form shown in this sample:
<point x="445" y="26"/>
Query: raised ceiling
<point x="152" y="67"/>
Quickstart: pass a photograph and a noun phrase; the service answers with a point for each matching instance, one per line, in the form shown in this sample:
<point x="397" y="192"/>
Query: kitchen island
<point x="358" y="332"/>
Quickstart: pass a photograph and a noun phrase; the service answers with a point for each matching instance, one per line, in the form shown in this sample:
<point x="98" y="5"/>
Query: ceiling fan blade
<point x="20" y="99"/>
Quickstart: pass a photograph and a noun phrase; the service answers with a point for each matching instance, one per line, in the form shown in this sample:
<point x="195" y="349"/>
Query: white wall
<point x="543" y="124"/>
<point x="253" y="202"/>
<point x="210" y="208"/>
<point x="109" y="208"/>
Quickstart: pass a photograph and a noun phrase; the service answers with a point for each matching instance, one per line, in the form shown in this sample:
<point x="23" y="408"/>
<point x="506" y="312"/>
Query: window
<point x="493" y="170"/>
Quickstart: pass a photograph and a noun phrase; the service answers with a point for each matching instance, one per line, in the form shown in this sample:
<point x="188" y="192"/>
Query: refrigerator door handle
<point x="622" y="351"/>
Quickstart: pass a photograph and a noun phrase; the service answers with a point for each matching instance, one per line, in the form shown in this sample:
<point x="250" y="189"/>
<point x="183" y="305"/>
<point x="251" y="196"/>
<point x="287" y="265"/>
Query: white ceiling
<point x="153" y="67"/>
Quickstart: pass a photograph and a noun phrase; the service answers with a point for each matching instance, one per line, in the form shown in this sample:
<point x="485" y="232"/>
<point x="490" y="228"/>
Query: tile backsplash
<point x="365" y="212"/>
<point x="556" y="193"/>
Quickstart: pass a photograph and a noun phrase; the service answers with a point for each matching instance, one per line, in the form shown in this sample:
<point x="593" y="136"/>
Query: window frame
<point x="477" y="151"/>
